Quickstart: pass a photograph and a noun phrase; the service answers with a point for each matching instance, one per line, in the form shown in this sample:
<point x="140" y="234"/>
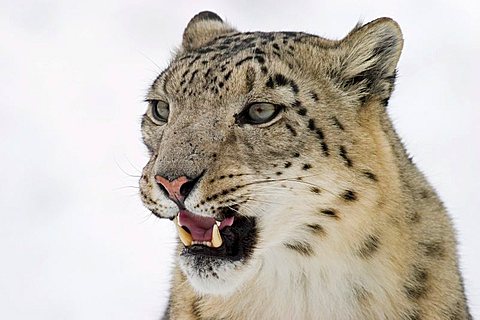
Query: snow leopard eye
<point x="259" y="113"/>
<point x="159" y="111"/>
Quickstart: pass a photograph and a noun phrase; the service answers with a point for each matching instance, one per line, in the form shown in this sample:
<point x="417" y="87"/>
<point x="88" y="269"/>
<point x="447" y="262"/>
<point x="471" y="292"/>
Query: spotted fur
<point x="346" y="226"/>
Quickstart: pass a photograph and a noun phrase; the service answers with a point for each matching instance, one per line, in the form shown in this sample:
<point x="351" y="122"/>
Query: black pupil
<point x="259" y="109"/>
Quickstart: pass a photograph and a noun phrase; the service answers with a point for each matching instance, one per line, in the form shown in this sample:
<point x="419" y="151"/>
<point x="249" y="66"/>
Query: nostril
<point x="187" y="187"/>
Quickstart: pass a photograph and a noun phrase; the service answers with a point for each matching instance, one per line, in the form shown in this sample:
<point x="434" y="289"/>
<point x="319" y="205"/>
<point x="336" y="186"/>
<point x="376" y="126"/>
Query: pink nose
<point x="177" y="189"/>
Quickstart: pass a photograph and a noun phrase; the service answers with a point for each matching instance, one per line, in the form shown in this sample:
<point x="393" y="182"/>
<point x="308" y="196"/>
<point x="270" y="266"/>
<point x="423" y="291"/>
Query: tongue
<point x="200" y="227"/>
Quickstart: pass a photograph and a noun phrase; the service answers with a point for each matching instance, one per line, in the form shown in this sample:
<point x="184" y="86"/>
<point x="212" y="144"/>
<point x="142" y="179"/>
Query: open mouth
<point x="232" y="238"/>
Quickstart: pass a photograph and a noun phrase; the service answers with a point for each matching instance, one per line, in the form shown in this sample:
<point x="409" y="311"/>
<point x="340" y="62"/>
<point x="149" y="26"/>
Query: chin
<point x="214" y="276"/>
<point x="217" y="256"/>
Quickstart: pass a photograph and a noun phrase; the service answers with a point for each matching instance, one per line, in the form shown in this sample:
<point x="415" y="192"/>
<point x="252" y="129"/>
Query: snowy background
<point x="75" y="241"/>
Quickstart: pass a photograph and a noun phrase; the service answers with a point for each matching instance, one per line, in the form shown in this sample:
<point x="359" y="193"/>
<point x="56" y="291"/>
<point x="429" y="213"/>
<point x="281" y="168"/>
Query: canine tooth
<point x="217" y="222"/>
<point x="177" y="219"/>
<point x="216" y="237"/>
<point x="184" y="236"/>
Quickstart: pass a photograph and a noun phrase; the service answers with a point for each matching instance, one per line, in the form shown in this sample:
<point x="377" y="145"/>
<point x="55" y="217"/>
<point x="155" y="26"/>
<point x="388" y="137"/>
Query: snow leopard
<point x="274" y="156"/>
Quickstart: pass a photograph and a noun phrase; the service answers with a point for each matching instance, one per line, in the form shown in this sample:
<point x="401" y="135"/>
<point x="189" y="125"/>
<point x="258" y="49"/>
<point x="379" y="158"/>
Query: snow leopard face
<point x="254" y="144"/>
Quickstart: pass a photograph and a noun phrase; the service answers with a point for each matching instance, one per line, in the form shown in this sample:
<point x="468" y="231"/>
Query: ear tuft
<point x="367" y="58"/>
<point x="202" y="28"/>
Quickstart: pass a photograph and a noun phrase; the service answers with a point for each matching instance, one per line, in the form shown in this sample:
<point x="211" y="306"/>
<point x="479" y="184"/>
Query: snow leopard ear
<point x="365" y="60"/>
<point x="202" y="28"/>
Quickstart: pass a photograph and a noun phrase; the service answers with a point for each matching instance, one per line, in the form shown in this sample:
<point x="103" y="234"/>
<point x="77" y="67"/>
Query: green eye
<point x="160" y="111"/>
<point x="258" y="113"/>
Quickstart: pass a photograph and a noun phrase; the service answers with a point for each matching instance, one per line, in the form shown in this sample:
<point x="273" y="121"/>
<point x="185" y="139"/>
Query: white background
<point x="75" y="241"/>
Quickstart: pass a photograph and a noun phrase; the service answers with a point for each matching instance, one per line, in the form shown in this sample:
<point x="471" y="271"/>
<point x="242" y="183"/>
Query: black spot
<point x="258" y="51"/>
<point x="315" y="190"/>
<point x="416" y="286"/>
<point x="270" y="83"/>
<point x="349" y="195"/>
<point x="329" y="212"/>
<point x="294" y="86"/>
<point x="314" y="96"/>
<point x="264" y="69"/>
<point x="325" y="149"/>
<point x="276" y="46"/>
<point x="424" y="194"/>
<point x="239" y="63"/>
<point x="302" y="111"/>
<point x="413" y="216"/>
<point x="369" y="247"/>
<point x="319" y="133"/>
<point x="344" y="155"/>
<point x="260" y="59"/>
<point x="220" y="84"/>
<point x="306" y="166"/>
<point x="370" y="175"/>
<point x="434" y="249"/>
<point x="288" y="164"/>
<point x="302" y="248"/>
<point x="291" y="129"/>
<point x="208" y="72"/>
<point x="311" y="124"/>
<point x="338" y="124"/>
<point x="296" y="104"/>
<point x="227" y="75"/>
<point x="280" y="80"/>
<point x="384" y="102"/>
<point x="316" y="228"/>
<point x="296" y="155"/>
<point x="191" y="63"/>
<point x="278" y="173"/>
